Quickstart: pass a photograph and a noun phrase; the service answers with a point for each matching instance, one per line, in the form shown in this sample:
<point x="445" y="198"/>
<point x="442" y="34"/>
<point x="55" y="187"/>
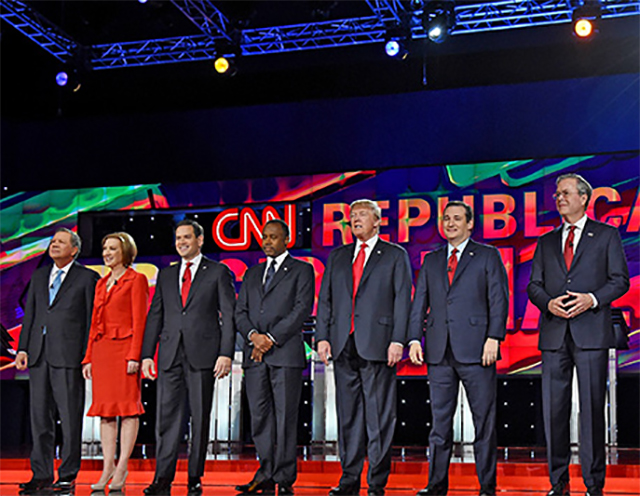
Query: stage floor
<point x="520" y="472"/>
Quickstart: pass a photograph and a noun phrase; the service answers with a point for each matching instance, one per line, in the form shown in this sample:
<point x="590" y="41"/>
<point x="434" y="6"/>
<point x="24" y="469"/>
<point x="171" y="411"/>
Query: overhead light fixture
<point x="585" y="16"/>
<point x="438" y="19"/>
<point x="68" y="79"/>
<point x="225" y="65"/>
<point x="396" y="48"/>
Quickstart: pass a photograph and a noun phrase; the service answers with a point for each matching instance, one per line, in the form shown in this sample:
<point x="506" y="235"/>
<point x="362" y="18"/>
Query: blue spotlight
<point x="392" y="48"/>
<point x="62" y="78"/>
<point x="142" y="1"/>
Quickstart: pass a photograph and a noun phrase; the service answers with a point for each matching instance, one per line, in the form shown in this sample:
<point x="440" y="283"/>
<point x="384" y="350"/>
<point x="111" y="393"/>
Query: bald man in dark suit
<point x="275" y="299"/>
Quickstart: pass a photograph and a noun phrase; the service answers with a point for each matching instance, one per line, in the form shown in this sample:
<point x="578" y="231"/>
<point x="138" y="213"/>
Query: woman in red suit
<point x="112" y="360"/>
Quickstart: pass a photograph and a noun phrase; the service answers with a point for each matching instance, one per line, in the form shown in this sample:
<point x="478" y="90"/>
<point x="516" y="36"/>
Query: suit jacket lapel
<point x="465" y="258"/>
<point x="280" y="274"/>
<point x="66" y="284"/>
<point x="559" y="249"/>
<point x="346" y="267"/>
<point x="197" y="279"/>
<point x="586" y="238"/>
<point x="376" y="254"/>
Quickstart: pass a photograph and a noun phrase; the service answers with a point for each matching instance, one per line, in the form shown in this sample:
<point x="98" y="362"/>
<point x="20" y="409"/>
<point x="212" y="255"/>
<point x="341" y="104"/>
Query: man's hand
<point x="490" y="352"/>
<point x="415" y="353"/>
<point x="557" y="306"/>
<point x="324" y="351"/>
<point x="133" y="367"/>
<point x="580" y="303"/>
<point x="261" y="342"/>
<point x="86" y="371"/>
<point x="394" y="354"/>
<point x="222" y="368"/>
<point x="21" y="360"/>
<point x="256" y="356"/>
<point x="149" y="369"/>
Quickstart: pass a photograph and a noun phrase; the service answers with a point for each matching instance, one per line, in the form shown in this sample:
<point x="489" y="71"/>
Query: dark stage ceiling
<point x="494" y="57"/>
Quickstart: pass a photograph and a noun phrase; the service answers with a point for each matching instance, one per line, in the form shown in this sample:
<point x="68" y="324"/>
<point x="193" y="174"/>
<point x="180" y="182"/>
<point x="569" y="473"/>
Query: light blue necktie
<point x="53" y="290"/>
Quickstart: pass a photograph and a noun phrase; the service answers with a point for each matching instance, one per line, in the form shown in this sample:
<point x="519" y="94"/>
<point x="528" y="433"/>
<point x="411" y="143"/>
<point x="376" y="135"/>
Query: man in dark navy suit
<point x="462" y="291"/>
<point x="578" y="269"/>
<point x="363" y="311"/>
<point x="191" y="316"/>
<point x="55" y="329"/>
<point x="275" y="299"/>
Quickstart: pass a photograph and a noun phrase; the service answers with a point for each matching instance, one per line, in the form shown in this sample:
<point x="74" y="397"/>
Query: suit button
<point x="184" y="312"/>
<point x="262" y="310"/>
<point x="568" y="281"/>
<point x="449" y="301"/>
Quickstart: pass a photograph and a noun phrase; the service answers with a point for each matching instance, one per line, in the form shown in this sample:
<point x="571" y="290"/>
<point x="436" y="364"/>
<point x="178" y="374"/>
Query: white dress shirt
<point x="279" y="260"/>
<point x="367" y="251"/>
<point x="54" y="272"/>
<point x="577" y="235"/>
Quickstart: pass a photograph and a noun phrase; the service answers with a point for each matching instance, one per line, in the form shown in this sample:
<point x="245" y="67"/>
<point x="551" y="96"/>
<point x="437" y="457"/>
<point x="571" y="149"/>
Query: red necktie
<point x="186" y="283"/>
<point x="568" y="247"/>
<point x="357" y="269"/>
<point x="452" y="265"/>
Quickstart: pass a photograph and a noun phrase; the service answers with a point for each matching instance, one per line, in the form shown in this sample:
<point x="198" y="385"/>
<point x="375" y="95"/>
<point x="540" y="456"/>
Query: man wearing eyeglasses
<point x="578" y="269"/>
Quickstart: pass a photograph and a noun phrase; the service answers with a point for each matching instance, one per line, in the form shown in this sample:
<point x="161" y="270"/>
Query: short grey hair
<point x="584" y="188"/>
<point x="370" y="204"/>
<point x="76" y="241"/>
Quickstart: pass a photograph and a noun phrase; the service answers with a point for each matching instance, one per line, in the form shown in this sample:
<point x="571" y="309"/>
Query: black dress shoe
<point x="257" y="487"/>
<point x="35" y="485"/>
<point x="434" y="490"/>
<point x="345" y="490"/>
<point x="64" y="484"/>
<point x="487" y="491"/>
<point x="285" y="490"/>
<point x="594" y="491"/>
<point x="159" y="487"/>
<point x="375" y="491"/>
<point x="560" y="489"/>
<point x="195" y="486"/>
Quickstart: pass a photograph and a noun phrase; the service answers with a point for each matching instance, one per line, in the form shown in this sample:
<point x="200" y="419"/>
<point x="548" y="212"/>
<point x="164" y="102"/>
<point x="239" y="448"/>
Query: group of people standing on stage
<point x="76" y="325"/>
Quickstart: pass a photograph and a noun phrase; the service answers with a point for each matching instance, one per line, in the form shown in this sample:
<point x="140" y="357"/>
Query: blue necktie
<point x="271" y="271"/>
<point x="53" y="290"/>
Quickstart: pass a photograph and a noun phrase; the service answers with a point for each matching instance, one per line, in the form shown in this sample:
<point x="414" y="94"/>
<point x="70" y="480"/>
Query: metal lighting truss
<point x="215" y="30"/>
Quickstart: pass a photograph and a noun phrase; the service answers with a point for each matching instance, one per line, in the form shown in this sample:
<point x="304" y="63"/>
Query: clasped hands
<point x="570" y="305"/>
<point x="261" y="344"/>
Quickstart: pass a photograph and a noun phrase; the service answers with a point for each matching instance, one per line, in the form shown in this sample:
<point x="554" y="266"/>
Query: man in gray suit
<point x="275" y="299"/>
<point x="191" y="315"/>
<point x="462" y="291"/>
<point x="578" y="269"/>
<point x="363" y="310"/>
<point x="55" y="329"/>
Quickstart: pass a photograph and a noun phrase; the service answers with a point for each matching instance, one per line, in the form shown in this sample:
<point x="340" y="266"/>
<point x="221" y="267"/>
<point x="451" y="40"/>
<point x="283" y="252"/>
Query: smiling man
<point x="577" y="271"/>
<point x="363" y="311"/>
<point x="462" y="293"/>
<point x="275" y="299"/>
<point x="191" y="315"/>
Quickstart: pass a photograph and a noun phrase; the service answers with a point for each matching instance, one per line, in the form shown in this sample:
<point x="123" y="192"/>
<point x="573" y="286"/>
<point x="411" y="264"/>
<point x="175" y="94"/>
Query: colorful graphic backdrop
<point x="512" y="201"/>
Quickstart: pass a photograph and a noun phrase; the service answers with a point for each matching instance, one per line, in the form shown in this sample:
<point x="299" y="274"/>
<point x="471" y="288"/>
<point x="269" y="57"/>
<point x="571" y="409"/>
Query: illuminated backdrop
<point x="512" y="201"/>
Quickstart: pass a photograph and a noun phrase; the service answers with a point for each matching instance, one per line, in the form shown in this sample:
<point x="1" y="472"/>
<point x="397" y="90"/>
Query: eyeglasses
<point x="563" y="194"/>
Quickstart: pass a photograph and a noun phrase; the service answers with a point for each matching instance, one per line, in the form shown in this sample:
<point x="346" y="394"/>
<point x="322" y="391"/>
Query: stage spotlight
<point x="225" y="66"/>
<point x="438" y="19"/>
<point x="585" y="19"/>
<point x="396" y="48"/>
<point x="62" y="78"/>
<point x="68" y="79"/>
<point x="142" y="1"/>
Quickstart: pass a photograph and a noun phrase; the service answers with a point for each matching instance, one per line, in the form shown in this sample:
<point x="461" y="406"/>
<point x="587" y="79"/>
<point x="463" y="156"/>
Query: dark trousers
<point x="366" y="404"/>
<point x="51" y="388"/>
<point x="557" y="377"/>
<point x="174" y="385"/>
<point x="480" y="385"/>
<point x="274" y="401"/>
